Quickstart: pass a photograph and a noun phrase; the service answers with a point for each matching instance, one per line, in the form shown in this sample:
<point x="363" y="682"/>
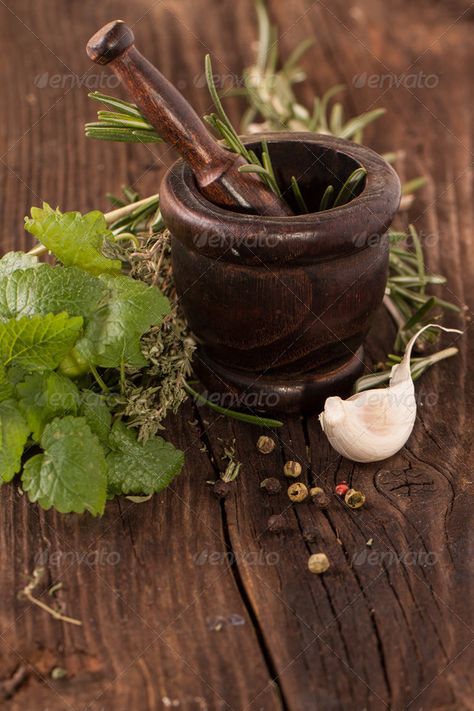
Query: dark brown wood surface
<point x="190" y="603"/>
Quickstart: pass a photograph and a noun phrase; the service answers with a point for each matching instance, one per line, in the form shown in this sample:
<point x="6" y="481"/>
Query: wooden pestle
<point x="215" y="168"/>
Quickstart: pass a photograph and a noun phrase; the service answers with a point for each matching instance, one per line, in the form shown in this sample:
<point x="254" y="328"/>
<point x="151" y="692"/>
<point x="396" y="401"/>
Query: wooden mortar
<point x="280" y="305"/>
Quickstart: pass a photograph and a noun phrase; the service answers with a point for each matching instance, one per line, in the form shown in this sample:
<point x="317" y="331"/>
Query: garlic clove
<point x="375" y="424"/>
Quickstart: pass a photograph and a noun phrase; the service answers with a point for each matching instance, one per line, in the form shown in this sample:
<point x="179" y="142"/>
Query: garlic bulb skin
<point x="375" y="424"/>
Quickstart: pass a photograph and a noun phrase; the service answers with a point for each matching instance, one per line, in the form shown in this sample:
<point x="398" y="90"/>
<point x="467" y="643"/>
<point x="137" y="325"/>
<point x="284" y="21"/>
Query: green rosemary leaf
<point x="298" y="195"/>
<point x="335" y="121"/>
<point x="396" y="237"/>
<point x="273" y="52"/>
<point x="130" y="194"/>
<point x="412" y="185"/>
<point x="216" y="100"/>
<point x="326" y="200"/>
<point x="420" y="314"/>
<point x="323" y="123"/>
<point x="415" y="281"/>
<point x="419" y="257"/>
<point x="264" y="35"/>
<point x="122" y="135"/>
<point x="241" y="416"/>
<point x="253" y="168"/>
<point x="124" y="121"/>
<point x="347" y="191"/>
<point x="299" y="51"/>
<point x="420" y="299"/>
<point x="116" y="202"/>
<point x="125" y="107"/>
<point x="359" y="123"/>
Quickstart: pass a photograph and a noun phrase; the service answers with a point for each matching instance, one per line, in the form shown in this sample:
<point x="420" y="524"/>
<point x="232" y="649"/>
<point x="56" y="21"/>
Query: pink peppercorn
<point x="342" y="488"/>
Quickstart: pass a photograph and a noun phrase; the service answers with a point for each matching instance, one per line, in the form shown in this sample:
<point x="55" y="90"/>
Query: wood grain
<point x="188" y="602"/>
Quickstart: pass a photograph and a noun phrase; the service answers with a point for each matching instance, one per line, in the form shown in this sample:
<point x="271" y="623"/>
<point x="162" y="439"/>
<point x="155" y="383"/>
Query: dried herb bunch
<point x="147" y="396"/>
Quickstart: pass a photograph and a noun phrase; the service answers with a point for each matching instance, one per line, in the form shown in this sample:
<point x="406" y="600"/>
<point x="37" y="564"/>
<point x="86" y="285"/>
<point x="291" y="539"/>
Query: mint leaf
<point x="137" y="467"/>
<point x="71" y="474"/>
<point x="47" y="289"/>
<point x="97" y="415"/>
<point x="38" y="343"/>
<point x="44" y="396"/>
<point x="7" y="390"/>
<point x="75" y="239"/>
<point x="14" y="433"/>
<point x="11" y="261"/>
<point x="112" y="336"/>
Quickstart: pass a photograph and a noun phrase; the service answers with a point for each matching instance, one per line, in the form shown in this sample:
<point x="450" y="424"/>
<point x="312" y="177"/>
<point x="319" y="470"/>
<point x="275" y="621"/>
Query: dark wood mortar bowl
<point x="280" y="305"/>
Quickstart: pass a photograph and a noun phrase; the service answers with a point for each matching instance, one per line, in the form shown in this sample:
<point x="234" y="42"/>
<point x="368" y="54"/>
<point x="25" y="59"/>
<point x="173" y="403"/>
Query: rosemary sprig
<point x="406" y="296"/>
<point x="417" y="367"/>
<point x="125" y="123"/>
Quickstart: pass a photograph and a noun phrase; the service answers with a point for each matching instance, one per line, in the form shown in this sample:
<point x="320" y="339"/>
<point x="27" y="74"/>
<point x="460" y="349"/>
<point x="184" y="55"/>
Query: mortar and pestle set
<point x="279" y="303"/>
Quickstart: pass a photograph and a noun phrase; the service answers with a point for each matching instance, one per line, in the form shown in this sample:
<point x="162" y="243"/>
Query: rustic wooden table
<point x="190" y="603"/>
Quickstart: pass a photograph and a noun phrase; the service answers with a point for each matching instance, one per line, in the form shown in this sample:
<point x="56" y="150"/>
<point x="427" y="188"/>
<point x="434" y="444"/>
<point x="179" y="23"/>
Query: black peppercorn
<point x="221" y="489"/>
<point x="310" y="534"/>
<point x="271" y="485"/>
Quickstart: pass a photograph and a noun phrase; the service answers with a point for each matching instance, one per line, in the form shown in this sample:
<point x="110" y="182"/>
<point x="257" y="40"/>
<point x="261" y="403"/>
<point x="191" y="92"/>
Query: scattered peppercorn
<point x="354" y="499"/>
<point x="265" y="445"/>
<point x="310" y="534"/>
<point x="58" y="673"/>
<point x="270" y="485"/>
<point x="276" y="523"/>
<point x="297" y="491"/>
<point x="292" y="469"/>
<point x="318" y="563"/>
<point x="319" y="497"/>
<point x="221" y="489"/>
<point x="342" y="488"/>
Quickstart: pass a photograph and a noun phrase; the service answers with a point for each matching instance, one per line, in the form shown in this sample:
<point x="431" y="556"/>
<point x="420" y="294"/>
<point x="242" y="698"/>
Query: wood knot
<point x="405" y="483"/>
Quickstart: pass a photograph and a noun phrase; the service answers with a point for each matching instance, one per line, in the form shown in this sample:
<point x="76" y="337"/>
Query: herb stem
<point x="241" y="416"/>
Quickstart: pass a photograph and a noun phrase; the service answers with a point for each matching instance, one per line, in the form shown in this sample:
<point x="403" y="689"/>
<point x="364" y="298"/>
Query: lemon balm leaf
<point x="75" y="239"/>
<point x="97" y="414"/>
<point x="38" y="343"/>
<point x="44" y="396"/>
<point x="14" y="432"/>
<point x="112" y="335"/>
<point x="11" y="261"/>
<point x="140" y="467"/>
<point x="71" y="473"/>
<point x="47" y="289"/>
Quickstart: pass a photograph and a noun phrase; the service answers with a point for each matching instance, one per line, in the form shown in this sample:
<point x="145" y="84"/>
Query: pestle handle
<point x="160" y="102"/>
<point x="215" y="168"/>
